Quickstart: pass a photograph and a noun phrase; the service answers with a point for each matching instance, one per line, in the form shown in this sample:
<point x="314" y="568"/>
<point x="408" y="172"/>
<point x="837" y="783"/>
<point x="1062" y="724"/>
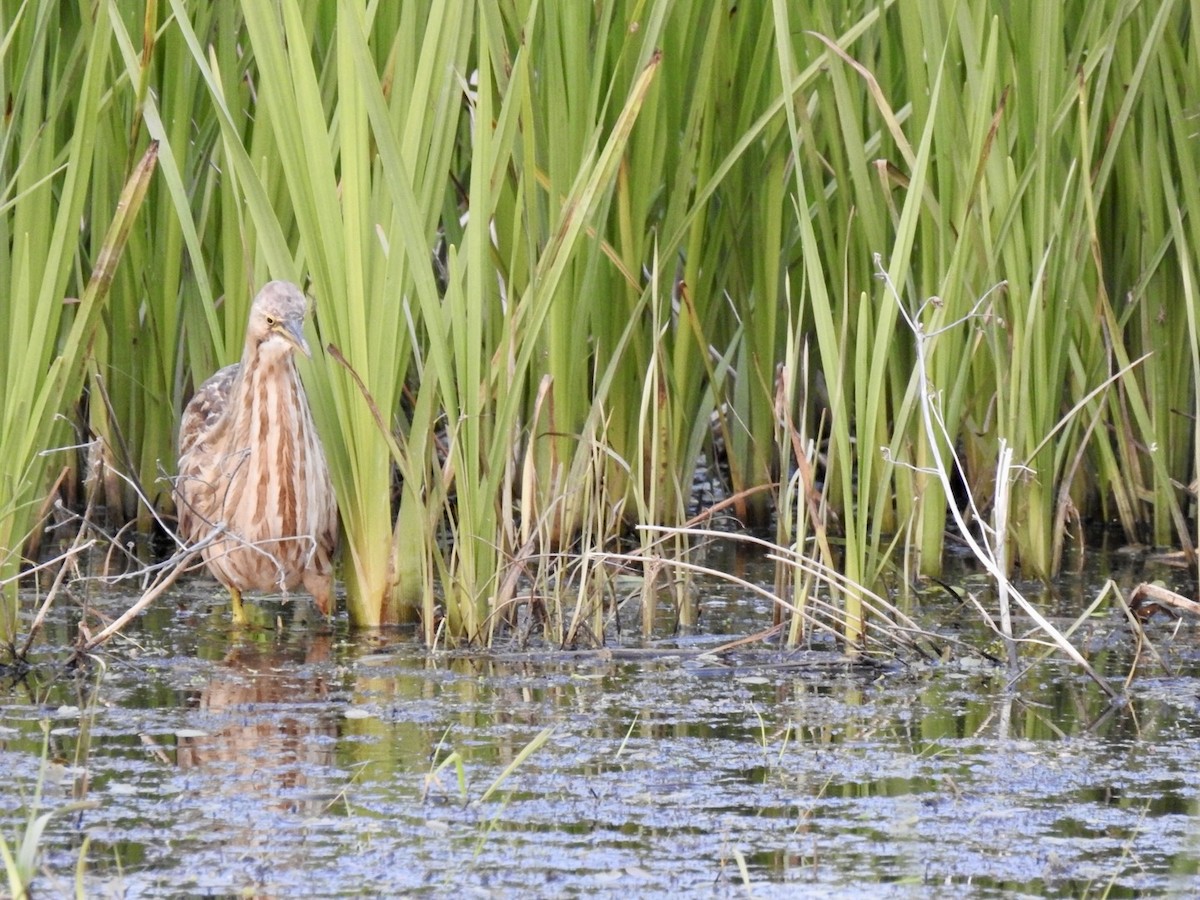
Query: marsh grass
<point x="21" y="858"/>
<point x="49" y="352"/>
<point x="557" y="251"/>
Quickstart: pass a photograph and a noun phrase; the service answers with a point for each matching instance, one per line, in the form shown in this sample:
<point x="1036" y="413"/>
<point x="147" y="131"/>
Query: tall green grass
<point x="560" y="251"/>
<point x="988" y="146"/>
<point x="54" y="80"/>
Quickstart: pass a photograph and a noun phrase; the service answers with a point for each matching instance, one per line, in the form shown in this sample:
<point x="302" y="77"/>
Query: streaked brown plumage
<point x="250" y="460"/>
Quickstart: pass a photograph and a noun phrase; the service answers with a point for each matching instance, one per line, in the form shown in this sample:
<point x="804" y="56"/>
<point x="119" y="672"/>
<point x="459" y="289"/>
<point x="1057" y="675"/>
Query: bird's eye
<point x="271" y="321"/>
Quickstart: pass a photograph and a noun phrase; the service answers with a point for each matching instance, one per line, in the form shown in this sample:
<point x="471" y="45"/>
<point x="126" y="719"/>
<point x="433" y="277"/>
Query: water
<point x="299" y="763"/>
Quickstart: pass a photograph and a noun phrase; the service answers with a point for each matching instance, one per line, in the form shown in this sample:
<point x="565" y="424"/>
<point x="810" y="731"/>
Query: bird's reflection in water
<point x="261" y="726"/>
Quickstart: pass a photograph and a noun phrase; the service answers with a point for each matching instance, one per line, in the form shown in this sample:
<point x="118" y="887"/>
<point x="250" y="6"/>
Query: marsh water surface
<point x="301" y="763"/>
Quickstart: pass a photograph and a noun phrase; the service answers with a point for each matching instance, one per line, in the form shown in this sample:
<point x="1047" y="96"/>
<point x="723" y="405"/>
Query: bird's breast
<point x="276" y="464"/>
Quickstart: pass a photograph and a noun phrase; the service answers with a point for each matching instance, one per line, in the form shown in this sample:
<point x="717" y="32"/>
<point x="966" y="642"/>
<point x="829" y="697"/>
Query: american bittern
<point x="251" y="463"/>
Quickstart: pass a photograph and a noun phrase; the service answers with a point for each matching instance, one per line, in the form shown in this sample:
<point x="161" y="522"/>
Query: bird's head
<point x="277" y="319"/>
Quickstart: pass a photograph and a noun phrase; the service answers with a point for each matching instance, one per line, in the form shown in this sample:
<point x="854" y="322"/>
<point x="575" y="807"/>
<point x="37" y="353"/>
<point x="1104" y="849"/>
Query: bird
<point x="252" y="472"/>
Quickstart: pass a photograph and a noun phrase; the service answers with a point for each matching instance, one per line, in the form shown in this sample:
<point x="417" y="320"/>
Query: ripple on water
<point x="319" y="765"/>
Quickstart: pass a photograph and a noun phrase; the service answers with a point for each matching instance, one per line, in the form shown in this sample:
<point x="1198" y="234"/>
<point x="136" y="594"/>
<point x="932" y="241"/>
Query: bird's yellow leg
<point x="239" y="613"/>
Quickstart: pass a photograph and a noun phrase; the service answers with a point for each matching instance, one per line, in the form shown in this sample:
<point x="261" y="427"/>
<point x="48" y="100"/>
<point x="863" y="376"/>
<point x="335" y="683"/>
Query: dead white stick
<point x="983" y="548"/>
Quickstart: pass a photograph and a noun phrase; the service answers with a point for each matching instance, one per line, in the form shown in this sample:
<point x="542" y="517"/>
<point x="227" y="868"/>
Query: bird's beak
<point x="293" y="330"/>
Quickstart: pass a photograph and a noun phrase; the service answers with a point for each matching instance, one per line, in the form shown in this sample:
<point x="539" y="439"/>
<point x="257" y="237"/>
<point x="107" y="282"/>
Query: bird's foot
<point x="239" y="611"/>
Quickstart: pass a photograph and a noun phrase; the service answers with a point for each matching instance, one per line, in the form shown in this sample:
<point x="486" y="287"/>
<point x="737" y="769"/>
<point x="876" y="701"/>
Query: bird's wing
<point x="205" y="407"/>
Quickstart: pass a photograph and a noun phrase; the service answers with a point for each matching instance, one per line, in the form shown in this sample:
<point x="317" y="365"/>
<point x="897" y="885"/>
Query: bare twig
<point x="1148" y="598"/>
<point x="179" y="564"/>
<point x="988" y="549"/>
<point x="65" y="558"/>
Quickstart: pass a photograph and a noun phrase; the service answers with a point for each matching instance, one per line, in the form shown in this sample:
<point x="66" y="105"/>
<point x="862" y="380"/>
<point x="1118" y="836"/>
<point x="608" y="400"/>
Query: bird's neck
<point x="268" y="390"/>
